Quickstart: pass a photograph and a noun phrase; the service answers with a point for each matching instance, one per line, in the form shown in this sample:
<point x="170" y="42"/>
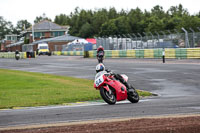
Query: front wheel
<point x="17" y="57"/>
<point x="133" y="96"/>
<point x="108" y="96"/>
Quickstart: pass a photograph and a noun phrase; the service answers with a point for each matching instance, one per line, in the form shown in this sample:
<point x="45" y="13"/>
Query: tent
<point x="91" y="40"/>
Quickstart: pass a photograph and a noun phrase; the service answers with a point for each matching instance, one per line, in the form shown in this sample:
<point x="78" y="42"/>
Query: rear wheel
<point x="133" y="96"/>
<point x="100" y="59"/>
<point x="108" y="96"/>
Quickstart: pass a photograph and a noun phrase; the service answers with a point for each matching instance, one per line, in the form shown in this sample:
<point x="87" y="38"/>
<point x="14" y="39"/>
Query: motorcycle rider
<point x="16" y="53"/>
<point x="100" y="49"/>
<point x="100" y="67"/>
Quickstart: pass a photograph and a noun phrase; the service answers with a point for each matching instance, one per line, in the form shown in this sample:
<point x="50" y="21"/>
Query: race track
<point x="176" y="82"/>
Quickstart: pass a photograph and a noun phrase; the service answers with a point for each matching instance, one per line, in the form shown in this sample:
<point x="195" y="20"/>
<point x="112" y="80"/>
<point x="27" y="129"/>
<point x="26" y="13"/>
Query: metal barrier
<point x="150" y="41"/>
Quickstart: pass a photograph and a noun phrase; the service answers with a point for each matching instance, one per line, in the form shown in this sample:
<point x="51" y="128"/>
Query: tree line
<point x="110" y="22"/>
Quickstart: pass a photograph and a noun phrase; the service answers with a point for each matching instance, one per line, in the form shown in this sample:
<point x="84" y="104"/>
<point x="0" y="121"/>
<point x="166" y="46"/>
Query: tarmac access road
<point x="177" y="82"/>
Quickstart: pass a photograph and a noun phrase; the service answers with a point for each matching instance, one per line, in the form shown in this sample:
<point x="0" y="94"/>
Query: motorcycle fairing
<point x="121" y="91"/>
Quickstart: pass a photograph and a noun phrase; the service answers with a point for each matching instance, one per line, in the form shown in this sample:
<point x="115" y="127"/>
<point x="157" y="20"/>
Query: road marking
<point x="67" y="105"/>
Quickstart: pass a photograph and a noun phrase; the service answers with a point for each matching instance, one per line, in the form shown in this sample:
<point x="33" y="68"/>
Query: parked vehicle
<point x="112" y="90"/>
<point x="43" y="49"/>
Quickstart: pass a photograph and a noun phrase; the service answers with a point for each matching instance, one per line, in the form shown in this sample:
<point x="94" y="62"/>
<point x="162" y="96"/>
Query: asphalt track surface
<point x="177" y="82"/>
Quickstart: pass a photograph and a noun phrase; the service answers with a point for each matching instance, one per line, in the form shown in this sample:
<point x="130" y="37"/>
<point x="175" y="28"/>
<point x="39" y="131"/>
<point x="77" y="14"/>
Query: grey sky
<point x="15" y="10"/>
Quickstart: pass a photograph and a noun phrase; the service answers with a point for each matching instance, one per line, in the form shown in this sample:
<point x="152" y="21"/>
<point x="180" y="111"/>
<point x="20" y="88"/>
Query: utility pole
<point x="33" y="33"/>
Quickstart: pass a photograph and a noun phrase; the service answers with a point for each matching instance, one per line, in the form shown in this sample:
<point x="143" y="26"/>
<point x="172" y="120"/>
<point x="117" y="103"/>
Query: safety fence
<point x="12" y="55"/>
<point x="161" y="39"/>
<point x="69" y="53"/>
<point x="182" y="53"/>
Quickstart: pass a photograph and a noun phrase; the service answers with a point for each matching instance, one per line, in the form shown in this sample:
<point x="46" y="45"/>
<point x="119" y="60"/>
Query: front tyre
<point x="133" y="96"/>
<point x="17" y="57"/>
<point x="107" y="96"/>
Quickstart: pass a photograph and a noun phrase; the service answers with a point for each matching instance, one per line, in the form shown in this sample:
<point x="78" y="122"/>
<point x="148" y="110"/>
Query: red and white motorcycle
<point x="112" y="90"/>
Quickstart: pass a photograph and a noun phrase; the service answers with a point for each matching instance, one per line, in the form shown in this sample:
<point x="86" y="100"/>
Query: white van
<point x="43" y="49"/>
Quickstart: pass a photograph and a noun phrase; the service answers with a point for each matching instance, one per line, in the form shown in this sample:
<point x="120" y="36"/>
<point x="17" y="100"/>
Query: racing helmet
<point x="100" y="67"/>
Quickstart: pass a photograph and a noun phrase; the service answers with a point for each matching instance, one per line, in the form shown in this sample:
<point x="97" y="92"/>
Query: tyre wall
<point x="12" y="55"/>
<point x="182" y="53"/>
<point x="69" y="53"/>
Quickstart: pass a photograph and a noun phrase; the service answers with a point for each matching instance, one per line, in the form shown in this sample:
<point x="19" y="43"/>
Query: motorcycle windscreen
<point x="124" y="77"/>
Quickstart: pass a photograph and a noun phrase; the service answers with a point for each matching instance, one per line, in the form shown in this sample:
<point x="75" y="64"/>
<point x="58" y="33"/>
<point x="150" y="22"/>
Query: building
<point x="9" y="39"/>
<point x="55" y="43"/>
<point x="43" y="32"/>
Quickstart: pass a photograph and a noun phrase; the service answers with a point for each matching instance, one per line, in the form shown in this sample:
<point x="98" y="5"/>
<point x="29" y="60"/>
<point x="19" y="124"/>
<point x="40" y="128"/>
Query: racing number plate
<point x="99" y="81"/>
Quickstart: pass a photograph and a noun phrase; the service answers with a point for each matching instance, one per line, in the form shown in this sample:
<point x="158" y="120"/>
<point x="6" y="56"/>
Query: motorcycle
<point x="100" y="56"/>
<point x="17" y="56"/>
<point x="112" y="90"/>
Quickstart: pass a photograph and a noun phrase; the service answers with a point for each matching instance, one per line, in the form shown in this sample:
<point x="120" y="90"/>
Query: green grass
<point x="27" y="89"/>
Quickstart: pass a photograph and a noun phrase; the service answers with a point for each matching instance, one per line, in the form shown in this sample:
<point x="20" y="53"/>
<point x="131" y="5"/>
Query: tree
<point x="116" y="26"/>
<point x="101" y="22"/>
<point x="21" y="26"/>
<point x="99" y="18"/>
<point x="136" y="20"/>
<point x="155" y="24"/>
<point x="5" y="27"/>
<point x="112" y="13"/>
<point x="178" y="11"/>
<point x="86" y="31"/>
<point x="158" y="12"/>
<point x="109" y="28"/>
<point x="62" y="19"/>
<point x="41" y="18"/>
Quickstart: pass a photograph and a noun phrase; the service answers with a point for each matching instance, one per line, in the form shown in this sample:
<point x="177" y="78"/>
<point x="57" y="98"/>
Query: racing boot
<point x="127" y="86"/>
<point x="119" y="77"/>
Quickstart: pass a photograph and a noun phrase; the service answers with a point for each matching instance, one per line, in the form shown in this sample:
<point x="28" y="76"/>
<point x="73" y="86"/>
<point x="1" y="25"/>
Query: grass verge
<point x="27" y="89"/>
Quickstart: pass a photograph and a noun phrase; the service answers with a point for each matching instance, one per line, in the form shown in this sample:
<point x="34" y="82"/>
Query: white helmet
<point x="100" y="67"/>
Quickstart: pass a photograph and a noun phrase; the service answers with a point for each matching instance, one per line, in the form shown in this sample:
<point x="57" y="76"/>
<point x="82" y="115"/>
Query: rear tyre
<point x="107" y="96"/>
<point x="133" y="96"/>
<point x="100" y="60"/>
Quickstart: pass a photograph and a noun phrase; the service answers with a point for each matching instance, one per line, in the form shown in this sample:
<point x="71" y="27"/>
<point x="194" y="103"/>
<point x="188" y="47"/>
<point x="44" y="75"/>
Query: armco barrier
<point x="181" y="53"/>
<point x="12" y="55"/>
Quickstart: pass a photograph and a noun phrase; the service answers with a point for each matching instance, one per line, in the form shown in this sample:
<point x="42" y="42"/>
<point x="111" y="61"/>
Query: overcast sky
<point x="15" y="10"/>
